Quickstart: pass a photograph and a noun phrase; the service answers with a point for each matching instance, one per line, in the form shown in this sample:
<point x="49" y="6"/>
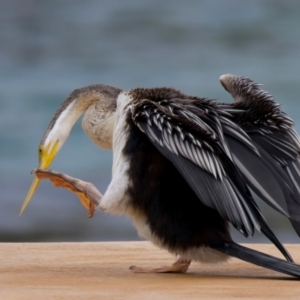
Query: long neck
<point x="99" y="103"/>
<point x="64" y="122"/>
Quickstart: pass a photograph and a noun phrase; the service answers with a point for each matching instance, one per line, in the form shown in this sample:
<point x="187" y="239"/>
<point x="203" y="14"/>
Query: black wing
<point x="195" y="145"/>
<point x="272" y="133"/>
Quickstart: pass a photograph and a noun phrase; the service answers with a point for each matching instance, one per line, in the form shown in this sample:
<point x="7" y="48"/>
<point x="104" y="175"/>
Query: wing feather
<point x="196" y="146"/>
<point x="276" y="175"/>
<point x="200" y="165"/>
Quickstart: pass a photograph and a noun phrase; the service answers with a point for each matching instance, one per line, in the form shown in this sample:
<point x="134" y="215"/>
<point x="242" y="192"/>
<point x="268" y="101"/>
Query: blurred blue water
<point x="47" y="49"/>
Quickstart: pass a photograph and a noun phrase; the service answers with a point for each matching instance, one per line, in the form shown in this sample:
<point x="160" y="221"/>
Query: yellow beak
<point x="46" y="157"/>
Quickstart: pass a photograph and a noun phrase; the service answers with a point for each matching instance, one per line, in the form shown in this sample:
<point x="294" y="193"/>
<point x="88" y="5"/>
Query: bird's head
<point x="63" y="121"/>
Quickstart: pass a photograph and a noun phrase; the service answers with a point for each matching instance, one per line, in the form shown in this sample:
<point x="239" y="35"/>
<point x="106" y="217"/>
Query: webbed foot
<point x="88" y="194"/>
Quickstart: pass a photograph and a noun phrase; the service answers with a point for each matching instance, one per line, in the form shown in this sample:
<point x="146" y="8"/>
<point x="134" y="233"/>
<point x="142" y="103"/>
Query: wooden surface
<point x="100" y="271"/>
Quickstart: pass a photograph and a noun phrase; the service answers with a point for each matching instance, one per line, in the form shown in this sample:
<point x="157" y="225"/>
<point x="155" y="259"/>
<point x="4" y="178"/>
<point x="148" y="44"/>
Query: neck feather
<point x="99" y="103"/>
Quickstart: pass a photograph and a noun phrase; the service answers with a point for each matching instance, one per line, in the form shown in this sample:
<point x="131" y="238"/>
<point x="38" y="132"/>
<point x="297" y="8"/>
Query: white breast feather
<point x="115" y="199"/>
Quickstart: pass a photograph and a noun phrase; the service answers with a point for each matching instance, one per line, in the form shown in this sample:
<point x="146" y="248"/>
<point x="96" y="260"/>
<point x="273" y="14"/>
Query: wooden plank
<point x="100" y="271"/>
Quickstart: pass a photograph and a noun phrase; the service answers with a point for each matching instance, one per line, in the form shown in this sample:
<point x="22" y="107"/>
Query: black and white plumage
<point x="174" y="171"/>
<point x="275" y="175"/>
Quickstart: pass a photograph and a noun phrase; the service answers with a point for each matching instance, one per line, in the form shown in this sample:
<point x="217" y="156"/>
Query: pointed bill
<point x="30" y="193"/>
<point x="46" y="158"/>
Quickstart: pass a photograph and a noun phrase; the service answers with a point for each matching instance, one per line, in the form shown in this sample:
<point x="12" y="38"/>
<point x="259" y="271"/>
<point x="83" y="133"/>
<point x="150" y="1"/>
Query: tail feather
<point x="266" y="230"/>
<point x="259" y="258"/>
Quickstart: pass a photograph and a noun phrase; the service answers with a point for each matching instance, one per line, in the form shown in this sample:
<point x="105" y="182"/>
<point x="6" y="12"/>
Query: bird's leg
<point x="88" y="194"/>
<point x="180" y="266"/>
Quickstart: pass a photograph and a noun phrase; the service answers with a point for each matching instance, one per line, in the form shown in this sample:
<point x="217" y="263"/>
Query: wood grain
<point x="100" y="271"/>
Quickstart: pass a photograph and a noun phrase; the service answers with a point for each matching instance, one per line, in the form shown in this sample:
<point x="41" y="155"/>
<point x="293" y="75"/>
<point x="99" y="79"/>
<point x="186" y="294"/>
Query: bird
<point x="176" y="171"/>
